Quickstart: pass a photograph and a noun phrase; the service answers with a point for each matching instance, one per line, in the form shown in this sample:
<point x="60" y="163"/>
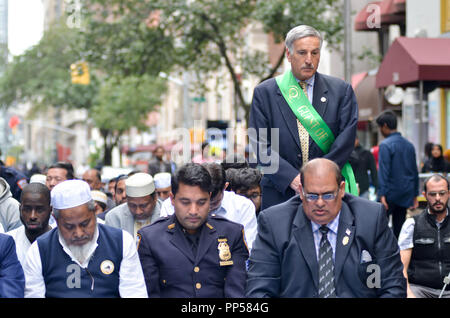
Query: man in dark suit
<point x="332" y="245"/>
<point x="191" y="253"/>
<point x="281" y="155"/>
<point x="158" y="164"/>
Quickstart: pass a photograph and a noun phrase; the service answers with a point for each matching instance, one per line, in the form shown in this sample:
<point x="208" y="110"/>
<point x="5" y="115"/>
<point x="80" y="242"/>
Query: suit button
<point x="198" y="285"/>
<point x="196" y="269"/>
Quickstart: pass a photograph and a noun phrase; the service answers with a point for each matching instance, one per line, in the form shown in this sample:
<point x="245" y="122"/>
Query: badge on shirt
<point x="107" y="267"/>
<point x="224" y="252"/>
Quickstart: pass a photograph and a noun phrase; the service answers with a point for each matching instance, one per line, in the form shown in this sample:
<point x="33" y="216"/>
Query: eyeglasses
<point x="313" y="197"/>
<point x="434" y="194"/>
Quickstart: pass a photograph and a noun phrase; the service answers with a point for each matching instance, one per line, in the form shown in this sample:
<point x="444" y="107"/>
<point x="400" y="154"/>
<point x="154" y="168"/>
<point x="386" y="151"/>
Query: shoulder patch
<point x="22" y="183"/>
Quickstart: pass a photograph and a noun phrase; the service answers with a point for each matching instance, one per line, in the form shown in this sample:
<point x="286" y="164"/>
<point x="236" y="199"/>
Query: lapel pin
<point x="347" y="231"/>
<point x="323" y="99"/>
<point x="345" y="240"/>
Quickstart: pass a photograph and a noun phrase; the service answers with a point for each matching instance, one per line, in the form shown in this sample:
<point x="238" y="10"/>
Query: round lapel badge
<point x="107" y="267"/>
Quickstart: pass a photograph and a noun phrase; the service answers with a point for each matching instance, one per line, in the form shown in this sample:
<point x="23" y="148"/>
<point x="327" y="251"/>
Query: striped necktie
<point x="326" y="266"/>
<point x="302" y="133"/>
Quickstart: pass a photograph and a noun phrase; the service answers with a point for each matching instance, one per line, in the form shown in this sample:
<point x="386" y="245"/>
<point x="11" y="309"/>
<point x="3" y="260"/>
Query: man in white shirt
<point x="231" y="206"/>
<point x="81" y="258"/>
<point x="35" y="210"/>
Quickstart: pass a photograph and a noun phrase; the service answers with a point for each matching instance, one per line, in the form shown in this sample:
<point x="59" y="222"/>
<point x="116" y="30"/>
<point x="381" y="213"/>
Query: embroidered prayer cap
<point x="70" y="193"/>
<point x="139" y="185"/>
<point x="99" y="196"/>
<point x="162" y="180"/>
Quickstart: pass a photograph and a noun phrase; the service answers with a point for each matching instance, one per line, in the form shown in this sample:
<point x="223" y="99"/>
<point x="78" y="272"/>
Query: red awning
<point x="410" y="60"/>
<point x="390" y="13"/>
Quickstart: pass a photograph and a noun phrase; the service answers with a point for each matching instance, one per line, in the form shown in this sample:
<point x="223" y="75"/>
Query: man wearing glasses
<point x="424" y="243"/>
<point x="325" y="243"/>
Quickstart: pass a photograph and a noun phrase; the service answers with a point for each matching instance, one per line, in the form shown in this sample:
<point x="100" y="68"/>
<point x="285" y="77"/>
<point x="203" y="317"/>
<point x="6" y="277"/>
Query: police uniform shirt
<point x="132" y="282"/>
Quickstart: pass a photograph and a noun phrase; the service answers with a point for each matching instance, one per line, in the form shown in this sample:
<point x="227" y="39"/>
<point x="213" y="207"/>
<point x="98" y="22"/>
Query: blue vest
<point x="65" y="278"/>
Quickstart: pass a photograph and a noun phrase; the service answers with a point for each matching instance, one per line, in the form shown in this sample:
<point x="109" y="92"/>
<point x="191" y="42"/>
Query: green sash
<point x="313" y="123"/>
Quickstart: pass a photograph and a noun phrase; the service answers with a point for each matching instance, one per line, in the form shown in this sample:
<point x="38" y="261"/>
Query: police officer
<point x="192" y="253"/>
<point x="16" y="180"/>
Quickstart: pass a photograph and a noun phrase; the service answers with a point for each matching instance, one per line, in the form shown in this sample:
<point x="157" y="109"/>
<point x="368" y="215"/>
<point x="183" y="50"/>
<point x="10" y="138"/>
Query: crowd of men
<point x="225" y="229"/>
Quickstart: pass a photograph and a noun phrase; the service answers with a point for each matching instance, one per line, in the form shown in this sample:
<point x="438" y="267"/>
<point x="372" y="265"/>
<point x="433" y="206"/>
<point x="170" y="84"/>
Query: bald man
<point x="325" y="243"/>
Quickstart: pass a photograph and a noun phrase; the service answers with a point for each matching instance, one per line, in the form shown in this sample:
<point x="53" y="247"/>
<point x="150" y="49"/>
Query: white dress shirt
<point x="234" y="207"/>
<point x="22" y="243"/>
<point x="131" y="283"/>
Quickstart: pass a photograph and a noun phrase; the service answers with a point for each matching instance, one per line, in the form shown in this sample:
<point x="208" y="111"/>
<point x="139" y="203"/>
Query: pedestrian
<point x="16" y="180"/>
<point x="193" y="253"/>
<point x="227" y="204"/>
<point x="246" y="182"/>
<point x="9" y="209"/>
<point x="93" y="177"/>
<point x="35" y="210"/>
<point x="325" y="243"/>
<point x="437" y="162"/>
<point x="423" y="242"/>
<point x="81" y="258"/>
<point x="324" y="126"/>
<point x="398" y="177"/>
<point x="364" y="168"/>
<point x="141" y="208"/>
<point x="120" y="196"/>
<point x="162" y="185"/>
<point x="158" y="164"/>
<point x="59" y="172"/>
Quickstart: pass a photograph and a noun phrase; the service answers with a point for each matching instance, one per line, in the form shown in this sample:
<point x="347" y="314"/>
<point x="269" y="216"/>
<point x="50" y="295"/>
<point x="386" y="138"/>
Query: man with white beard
<point x="81" y="258"/>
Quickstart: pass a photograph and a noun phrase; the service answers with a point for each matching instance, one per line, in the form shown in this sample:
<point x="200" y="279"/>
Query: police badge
<point x="224" y="252"/>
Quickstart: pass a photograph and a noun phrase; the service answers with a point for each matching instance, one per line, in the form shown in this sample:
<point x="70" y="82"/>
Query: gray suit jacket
<point x="121" y="217"/>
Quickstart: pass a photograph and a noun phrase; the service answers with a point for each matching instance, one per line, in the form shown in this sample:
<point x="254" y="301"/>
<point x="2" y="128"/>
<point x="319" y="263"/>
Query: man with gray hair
<point x="81" y="258"/>
<point x="317" y="120"/>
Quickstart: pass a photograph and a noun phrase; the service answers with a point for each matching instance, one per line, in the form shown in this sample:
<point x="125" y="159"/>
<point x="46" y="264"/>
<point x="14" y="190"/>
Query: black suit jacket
<point x="283" y="261"/>
<point x="335" y="102"/>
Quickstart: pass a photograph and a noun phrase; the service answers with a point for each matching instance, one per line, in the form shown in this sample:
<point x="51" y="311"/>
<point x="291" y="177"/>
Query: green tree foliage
<point x="203" y="36"/>
<point x="123" y="103"/>
<point x="42" y="76"/>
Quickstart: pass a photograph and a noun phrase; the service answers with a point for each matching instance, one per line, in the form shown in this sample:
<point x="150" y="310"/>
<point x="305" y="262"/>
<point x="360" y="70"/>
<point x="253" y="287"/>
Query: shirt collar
<point x="309" y="81"/>
<point x="333" y="225"/>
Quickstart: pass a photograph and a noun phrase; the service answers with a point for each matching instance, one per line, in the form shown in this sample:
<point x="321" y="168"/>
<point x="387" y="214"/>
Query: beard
<point x="80" y="252"/>
<point x="434" y="210"/>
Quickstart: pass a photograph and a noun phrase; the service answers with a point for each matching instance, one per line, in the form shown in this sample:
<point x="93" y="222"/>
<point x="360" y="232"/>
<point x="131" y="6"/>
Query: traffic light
<point x="80" y="73"/>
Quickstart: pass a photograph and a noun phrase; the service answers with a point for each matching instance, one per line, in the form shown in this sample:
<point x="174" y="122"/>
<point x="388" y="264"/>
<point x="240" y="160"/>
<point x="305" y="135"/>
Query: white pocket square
<point x="365" y="257"/>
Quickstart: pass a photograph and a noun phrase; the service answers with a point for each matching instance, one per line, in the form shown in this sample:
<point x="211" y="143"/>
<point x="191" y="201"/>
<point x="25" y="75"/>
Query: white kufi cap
<point x="139" y="185"/>
<point x="162" y="180"/>
<point x="38" y="178"/>
<point x="70" y="193"/>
